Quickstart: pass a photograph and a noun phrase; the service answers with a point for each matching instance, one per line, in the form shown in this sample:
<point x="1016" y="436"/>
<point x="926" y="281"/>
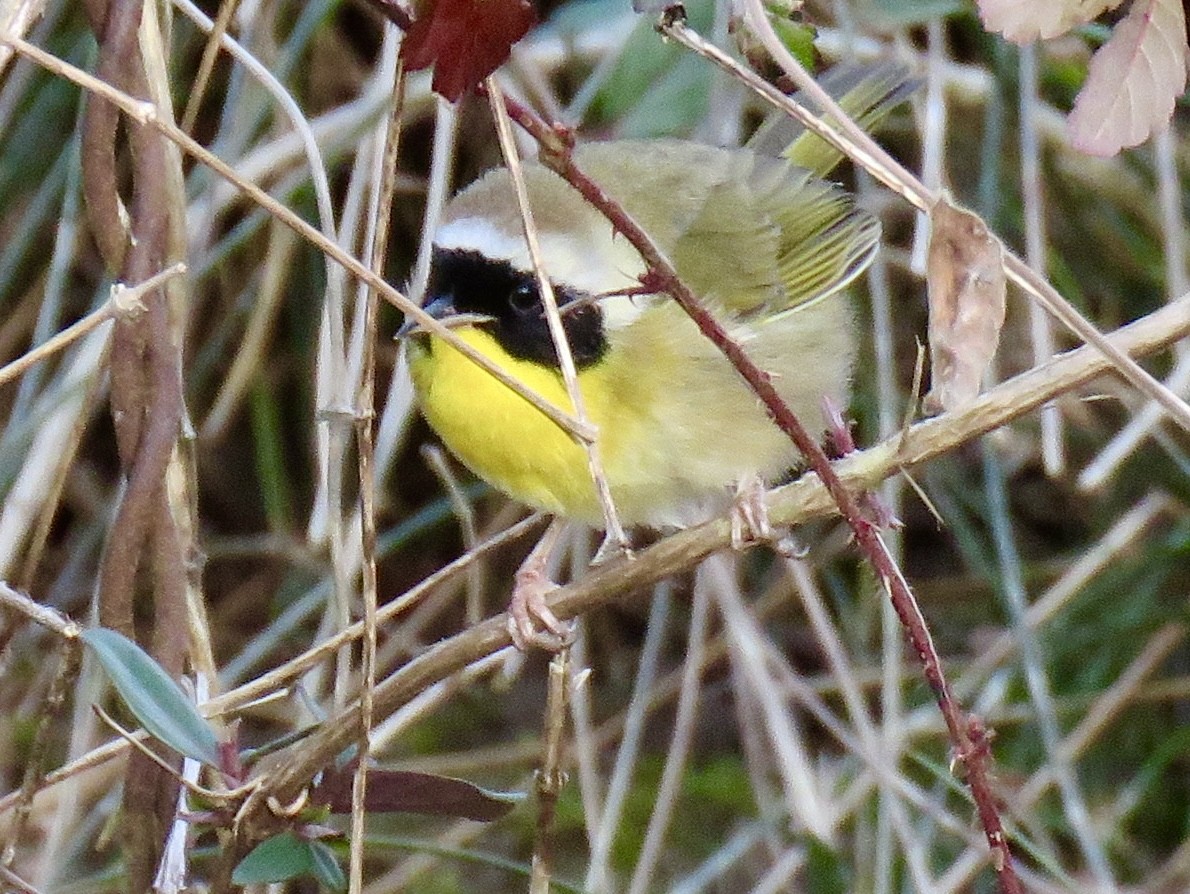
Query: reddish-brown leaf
<point x="402" y="791"/>
<point x="465" y="40"/>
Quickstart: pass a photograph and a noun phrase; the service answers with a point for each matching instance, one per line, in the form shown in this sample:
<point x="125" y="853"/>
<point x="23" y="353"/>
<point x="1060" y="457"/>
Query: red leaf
<point x="465" y="40"/>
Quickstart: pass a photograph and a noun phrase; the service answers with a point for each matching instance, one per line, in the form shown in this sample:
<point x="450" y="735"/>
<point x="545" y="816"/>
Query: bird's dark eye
<point x="523" y="299"/>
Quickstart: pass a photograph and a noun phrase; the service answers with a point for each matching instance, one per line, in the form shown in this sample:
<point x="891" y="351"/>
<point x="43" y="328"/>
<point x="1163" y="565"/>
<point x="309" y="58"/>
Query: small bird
<point x="768" y="247"/>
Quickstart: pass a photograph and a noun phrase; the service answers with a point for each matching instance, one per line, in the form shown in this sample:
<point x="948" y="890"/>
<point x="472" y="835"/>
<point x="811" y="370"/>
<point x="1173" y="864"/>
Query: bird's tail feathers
<point x="866" y="92"/>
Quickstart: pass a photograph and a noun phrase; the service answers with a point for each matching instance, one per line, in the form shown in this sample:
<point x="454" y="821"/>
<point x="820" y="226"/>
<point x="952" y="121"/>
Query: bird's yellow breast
<point x="676" y="425"/>
<point x="505" y="440"/>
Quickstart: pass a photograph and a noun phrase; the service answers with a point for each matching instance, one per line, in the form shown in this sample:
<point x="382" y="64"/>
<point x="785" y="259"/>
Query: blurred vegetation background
<point x="803" y="751"/>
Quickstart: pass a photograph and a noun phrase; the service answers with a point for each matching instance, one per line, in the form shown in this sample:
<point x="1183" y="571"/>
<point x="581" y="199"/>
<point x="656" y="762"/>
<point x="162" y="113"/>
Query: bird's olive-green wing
<point x="728" y="252"/>
<point x="826" y="241"/>
<point x="747" y="233"/>
<point x="697" y="204"/>
<point x="773" y="238"/>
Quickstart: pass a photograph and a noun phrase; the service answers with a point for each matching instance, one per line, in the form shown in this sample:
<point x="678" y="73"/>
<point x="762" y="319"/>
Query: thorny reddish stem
<point x="967" y="733"/>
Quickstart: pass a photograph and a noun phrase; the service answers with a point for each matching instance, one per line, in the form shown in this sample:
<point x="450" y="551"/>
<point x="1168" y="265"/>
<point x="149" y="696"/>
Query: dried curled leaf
<point x="1133" y="81"/>
<point x="1023" y="21"/>
<point x="967" y="288"/>
<point x="465" y="40"/>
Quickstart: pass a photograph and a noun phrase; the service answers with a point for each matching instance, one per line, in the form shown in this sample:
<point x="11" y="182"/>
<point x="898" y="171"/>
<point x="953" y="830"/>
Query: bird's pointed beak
<point x="441" y="307"/>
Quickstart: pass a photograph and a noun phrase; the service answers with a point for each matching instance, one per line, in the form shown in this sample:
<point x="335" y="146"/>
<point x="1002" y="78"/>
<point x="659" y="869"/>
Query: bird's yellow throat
<point x="507" y="441"/>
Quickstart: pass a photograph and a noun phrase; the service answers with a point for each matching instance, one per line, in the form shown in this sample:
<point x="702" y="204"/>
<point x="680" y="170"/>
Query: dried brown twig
<point x="365" y="415"/>
<point x="551" y="777"/>
<point x="501" y="107"/>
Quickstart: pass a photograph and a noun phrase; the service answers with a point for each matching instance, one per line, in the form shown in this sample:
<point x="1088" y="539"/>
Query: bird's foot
<point x="531" y="622"/>
<point x="750" y="515"/>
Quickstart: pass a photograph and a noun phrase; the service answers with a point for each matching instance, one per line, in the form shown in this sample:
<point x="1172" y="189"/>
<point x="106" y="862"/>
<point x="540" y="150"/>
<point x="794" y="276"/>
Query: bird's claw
<point x="531" y="622"/>
<point x="750" y="515"/>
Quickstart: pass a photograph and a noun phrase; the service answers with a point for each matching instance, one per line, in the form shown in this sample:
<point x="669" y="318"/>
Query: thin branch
<point x="969" y="742"/>
<point x="198" y="87"/>
<point x="18" y="884"/>
<point x="42" y="615"/>
<point x="124" y="300"/>
<point x="550" y="778"/>
<point x="365" y="416"/>
<point x="512" y="160"/>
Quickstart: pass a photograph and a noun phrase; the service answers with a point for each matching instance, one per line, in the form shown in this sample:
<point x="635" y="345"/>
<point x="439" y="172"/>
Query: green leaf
<point x="647" y="67"/>
<point x="798" y="38"/>
<point x="326" y="867"/>
<point x="271" y="442"/>
<point x="826" y="870"/>
<point x="674" y="103"/>
<point x="275" y="859"/>
<point x="286" y="856"/>
<point x="155" y="699"/>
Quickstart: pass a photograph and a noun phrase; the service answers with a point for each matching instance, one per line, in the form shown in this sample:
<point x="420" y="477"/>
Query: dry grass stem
<point x="1033" y="196"/>
<point x="512" y="161"/>
<point x="550" y="778"/>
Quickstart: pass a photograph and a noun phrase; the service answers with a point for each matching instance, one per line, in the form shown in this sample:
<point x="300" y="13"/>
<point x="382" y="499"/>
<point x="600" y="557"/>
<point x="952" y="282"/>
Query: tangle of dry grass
<point x="831" y="768"/>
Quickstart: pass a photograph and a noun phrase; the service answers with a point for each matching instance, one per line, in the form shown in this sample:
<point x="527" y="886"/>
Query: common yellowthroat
<point x="767" y="245"/>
